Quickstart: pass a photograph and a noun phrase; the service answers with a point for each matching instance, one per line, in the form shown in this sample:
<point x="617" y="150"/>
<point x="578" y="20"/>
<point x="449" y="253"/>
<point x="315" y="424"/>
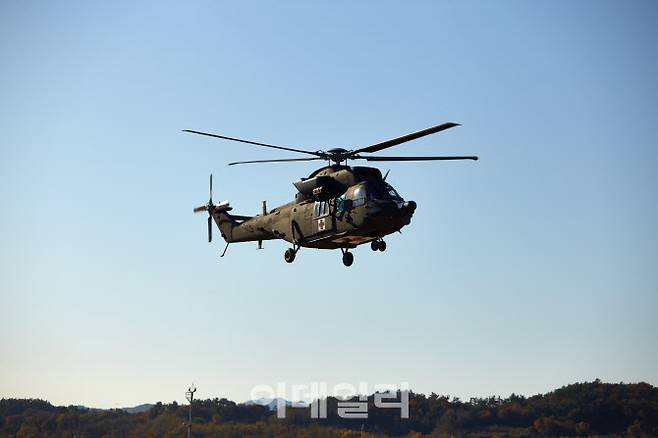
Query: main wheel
<point x="289" y="255"/>
<point x="381" y="246"/>
<point x="375" y="245"/>
<point x="348" y="258"/>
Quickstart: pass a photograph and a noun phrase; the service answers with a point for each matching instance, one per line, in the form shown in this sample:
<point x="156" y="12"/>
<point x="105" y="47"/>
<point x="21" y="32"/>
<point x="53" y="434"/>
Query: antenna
<point x="189" y="395"/>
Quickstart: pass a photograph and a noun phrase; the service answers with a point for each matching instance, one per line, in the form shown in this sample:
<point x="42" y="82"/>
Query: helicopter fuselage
<point x="335" y="207"/>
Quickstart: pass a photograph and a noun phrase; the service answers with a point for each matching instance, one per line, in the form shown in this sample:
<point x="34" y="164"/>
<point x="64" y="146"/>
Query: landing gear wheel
<point x="378" y="245"/>
<point x="348" y="258"/>
<point x="289" y="255"/>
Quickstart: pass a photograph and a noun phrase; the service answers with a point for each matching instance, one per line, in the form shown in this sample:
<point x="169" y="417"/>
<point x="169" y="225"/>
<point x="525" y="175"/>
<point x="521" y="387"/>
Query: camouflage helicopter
<point x="335" y="207"/>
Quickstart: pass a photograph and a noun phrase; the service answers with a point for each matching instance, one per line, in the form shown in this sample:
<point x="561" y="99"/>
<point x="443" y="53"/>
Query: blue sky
<point x="532" y="268"/>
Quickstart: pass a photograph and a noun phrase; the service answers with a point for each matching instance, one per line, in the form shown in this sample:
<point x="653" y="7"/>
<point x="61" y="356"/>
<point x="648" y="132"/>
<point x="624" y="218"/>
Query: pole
<point x="189" y="420"/>
<point x="189" y="395"/>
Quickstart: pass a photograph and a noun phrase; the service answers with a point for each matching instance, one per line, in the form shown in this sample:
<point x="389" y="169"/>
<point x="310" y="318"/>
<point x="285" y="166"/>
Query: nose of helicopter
<point x="410" y="206"/>
<point x="389" y="210"/>
<point x="388" y="216"/>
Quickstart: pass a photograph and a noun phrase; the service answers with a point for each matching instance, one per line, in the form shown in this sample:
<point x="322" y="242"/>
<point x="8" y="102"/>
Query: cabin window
<point x="321" y="209"/>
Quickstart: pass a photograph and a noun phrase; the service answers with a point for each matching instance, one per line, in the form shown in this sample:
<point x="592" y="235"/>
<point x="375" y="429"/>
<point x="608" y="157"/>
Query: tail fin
<point x="225" y="222"/>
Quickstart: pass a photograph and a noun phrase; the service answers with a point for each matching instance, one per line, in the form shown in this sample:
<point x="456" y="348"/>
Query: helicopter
<point x="336" y="207"/>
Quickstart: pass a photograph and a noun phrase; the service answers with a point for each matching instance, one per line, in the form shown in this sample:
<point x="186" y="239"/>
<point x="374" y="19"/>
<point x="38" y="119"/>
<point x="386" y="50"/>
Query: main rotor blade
<point x="284" y="160"/>
<point x="253" y="142"/>
<point x="375" y="158"/>
<point x="408" y="137"/>
<point x="200" y="209"/>
<point x="209" y="229"/>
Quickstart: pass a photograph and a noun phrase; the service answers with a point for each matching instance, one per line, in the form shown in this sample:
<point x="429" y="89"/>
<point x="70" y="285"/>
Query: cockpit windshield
<point x="392" y="192"/>
<point x="383" y="191"/>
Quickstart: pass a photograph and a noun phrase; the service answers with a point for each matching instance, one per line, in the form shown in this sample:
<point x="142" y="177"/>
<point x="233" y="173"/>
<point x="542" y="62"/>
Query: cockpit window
<point x="392" y="192"/>
<point x="383" y="191"/>
<point x="359" y="192"/>
<point x="359" y="196"/>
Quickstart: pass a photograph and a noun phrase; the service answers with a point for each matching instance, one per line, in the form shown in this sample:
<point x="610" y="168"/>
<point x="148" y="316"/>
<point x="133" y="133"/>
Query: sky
<point x="530" y="269"/>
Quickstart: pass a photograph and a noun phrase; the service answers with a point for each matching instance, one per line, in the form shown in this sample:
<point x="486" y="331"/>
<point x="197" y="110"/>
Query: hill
<point x="581" y="409"/>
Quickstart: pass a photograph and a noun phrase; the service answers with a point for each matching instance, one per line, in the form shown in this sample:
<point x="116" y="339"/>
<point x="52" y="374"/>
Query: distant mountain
<point x="271" y="403"/>
<point x="134" y="410"/>
<point x="137" y="409"/>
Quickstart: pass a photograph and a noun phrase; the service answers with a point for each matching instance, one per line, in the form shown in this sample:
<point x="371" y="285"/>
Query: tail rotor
<point x="212" y="209"/>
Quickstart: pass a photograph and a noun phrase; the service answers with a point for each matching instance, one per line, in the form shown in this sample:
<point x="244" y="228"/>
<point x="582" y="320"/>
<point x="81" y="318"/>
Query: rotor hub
<point x="337" y="155"/>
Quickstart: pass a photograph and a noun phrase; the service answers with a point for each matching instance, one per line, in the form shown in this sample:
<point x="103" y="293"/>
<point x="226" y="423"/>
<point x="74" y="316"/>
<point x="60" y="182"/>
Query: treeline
<point x="582" y="409"/>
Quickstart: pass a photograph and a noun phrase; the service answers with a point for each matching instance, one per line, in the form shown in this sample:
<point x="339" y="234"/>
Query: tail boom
<point x="245" y="229"/>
